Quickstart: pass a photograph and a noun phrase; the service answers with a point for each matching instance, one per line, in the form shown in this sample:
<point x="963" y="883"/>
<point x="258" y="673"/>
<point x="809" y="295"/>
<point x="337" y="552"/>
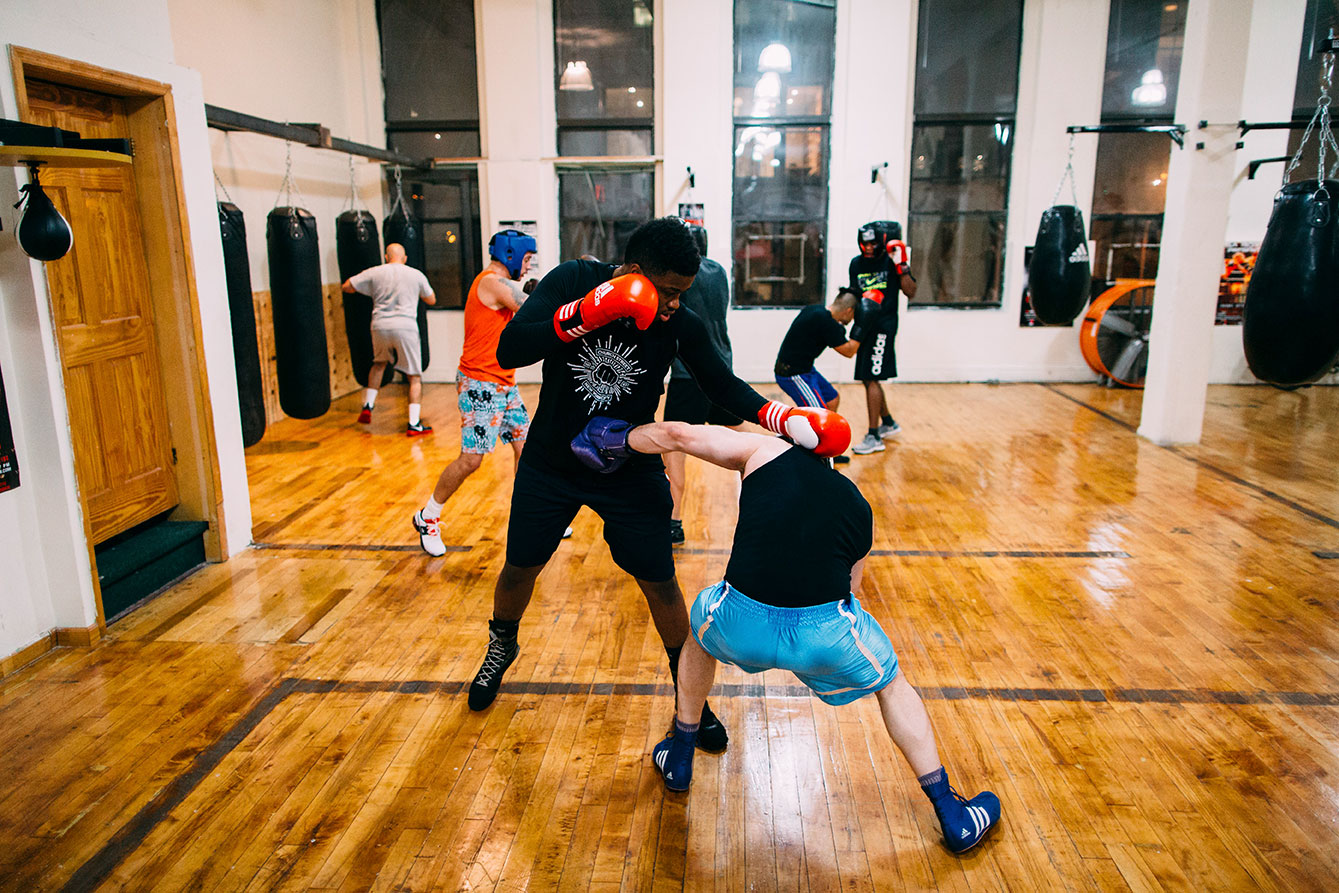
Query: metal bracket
<point x="1254" y="166"/>
<point x="874" y="172"/>
<point x="1176" y="131"/>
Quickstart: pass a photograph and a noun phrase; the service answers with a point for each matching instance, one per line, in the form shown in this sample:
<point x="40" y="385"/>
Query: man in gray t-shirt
<point x="395" y="289"/>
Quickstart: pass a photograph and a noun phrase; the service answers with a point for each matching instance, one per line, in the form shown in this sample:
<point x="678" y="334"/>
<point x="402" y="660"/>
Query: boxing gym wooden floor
<point x="1136" y="647"/>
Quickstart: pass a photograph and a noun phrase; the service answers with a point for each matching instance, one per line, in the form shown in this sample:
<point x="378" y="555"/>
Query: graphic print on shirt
<point x="868" y="281"/>
<point x="605" y="373"/>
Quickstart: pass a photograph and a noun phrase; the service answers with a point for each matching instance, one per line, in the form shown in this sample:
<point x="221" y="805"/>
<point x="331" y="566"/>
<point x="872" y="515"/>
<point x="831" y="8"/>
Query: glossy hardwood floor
<point x="1136" y="647"/>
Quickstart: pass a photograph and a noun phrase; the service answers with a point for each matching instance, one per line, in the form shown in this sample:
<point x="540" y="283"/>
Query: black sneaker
<point x="711" y="734"/>
<point x="501" y="653"/>
<point x="676" y="532"/>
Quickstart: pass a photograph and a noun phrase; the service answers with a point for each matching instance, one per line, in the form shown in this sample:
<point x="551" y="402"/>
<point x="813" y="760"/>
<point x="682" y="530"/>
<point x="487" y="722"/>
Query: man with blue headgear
<point x="489" y="401"/>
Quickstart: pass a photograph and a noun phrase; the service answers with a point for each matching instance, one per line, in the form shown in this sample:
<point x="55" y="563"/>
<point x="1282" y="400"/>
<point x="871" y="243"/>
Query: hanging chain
<point x="220" y="185"/>
<point x="289" y="184"/>
<point x="1068" y="175"/>
<point x="398" y="204"/>
<point x="1326" y="136"/>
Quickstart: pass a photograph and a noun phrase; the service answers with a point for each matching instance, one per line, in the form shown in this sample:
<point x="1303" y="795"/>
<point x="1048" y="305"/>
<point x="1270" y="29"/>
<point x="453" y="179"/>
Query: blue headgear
<point x="510" y="246"/>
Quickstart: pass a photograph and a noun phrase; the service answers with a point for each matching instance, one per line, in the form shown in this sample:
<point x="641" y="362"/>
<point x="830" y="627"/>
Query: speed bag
<point x="357" y="247"/>
<point x="1290" y="326"/>
<point x="301" y="360"/>
<point x="408" y="231"/>
<point x="1059" y="274"/>
<point x="242" y="311"/>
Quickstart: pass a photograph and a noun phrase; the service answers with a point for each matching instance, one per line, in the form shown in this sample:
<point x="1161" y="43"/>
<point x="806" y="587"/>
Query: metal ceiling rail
<point x="306" y="134"/>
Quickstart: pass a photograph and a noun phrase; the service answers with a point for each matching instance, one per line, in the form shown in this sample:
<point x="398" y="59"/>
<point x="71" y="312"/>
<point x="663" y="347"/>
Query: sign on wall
<point x="1238" y="263"/>
<point x="9" y="463"/>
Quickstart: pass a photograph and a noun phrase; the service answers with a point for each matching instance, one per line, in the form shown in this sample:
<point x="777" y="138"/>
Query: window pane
<point x="1321" y="15"/>
<point x="599" y="211"/>
<point x="1131" y="173"/>
<point x="1144" y="41"/>
<point x="446" y="261"/>
<point x="435" y="143"/>
<point x="781" y="173"/>
<point x="428" y="60"/>
<point x="960" y="260"/>
<point x="783" y="57"/>
<point x="447" y="202"/>
<point x="579" y="142"/>
<point x="1125" y="247"/>
<point x="967" y="57"/>
<point x="779" y="263"/>
<point x="613" y="43"/>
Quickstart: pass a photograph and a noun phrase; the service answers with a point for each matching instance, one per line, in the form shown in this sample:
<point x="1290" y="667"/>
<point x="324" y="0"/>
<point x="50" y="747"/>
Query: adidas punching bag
<point x="301" y="357"/>
<point x="408" y="231"/>
<point x="242" y="311"/>
<point x="357" y="248"/>
<point x="1060" y="275"/>
<point x="1290" y="327"/>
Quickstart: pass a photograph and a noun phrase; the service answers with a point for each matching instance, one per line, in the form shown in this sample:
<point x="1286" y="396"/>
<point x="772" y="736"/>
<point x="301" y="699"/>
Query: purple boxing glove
<point x="603" y="444"/>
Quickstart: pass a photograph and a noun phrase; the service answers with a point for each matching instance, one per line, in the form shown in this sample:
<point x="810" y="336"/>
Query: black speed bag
<point x="242" y="312"/>
<point x="1060" y="274"/>
<point x="408" y="231"/>
<point x="357" y="246"/>
<point x="1290" y="326"/>
<point x="302" y="364"/>
<point x="43" y="233"/>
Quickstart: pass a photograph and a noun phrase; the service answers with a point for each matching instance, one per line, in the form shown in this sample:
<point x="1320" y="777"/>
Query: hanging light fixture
<point x="641" y="14"/>
<point x="1151" y="90"/>
<point x="576" y="77"/>
<point x="774" y="57"/>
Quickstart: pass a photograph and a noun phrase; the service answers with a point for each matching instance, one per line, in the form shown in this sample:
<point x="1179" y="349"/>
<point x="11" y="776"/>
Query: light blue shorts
<point x="836" y="649"/>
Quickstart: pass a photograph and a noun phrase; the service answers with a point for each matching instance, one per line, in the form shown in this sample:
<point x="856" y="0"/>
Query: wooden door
<point x="100" y="297"/>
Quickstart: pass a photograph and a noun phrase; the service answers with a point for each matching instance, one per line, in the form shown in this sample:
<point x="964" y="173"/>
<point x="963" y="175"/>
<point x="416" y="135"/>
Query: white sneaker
<point x="429" y="535"/>
<point x="567" y="534"/>
<point x="887" y="431"/>
<point x="870" y="444"/>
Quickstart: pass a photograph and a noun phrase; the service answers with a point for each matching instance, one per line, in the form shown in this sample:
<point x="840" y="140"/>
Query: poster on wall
<point x="9" y="463"/>
<point x="1238" y="263"/>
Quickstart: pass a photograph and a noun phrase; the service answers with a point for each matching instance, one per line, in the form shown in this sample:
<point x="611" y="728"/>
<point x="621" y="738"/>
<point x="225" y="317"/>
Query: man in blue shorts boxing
<point x="815" y="328"/>
<point x="800" y="616"/>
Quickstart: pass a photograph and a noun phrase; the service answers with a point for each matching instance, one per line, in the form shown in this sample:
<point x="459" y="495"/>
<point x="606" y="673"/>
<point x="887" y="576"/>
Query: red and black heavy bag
<point x="357" y="247"/>
<point x="1060" y="275"/>
<point x="1290" y="327"/>
<point x="408" y="231"/>
<point x="242" y="311"/>
<point x="301" y="358"/>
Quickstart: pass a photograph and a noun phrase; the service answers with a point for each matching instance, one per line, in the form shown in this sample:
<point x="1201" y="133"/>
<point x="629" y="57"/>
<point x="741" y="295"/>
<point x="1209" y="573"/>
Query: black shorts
<point x="876" y="360"/>
<point x="685" y="402"/>
<point x="634" y="503"/>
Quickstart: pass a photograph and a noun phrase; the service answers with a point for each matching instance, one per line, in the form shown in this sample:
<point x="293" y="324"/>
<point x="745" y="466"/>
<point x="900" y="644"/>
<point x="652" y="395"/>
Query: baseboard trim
<point x="60" y="637"/>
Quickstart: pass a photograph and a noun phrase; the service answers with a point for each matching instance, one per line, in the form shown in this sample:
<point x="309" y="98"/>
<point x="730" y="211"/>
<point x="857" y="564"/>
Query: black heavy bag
<point x="1290" y="328"/>
<point x="1060" y="275"/>
<point x="408" y="231"/>
<point x="357" y="247"/>
<point x="299" y="313"/>
<point x="242" y="310"/>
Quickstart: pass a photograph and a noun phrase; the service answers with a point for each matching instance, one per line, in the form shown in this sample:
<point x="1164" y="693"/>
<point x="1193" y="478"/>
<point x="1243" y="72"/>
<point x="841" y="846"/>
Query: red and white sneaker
<point x="365" y="417"/>
<point x="429" y="534"/>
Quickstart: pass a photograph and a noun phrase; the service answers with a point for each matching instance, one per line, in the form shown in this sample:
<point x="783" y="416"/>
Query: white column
<point x="1199" y="191"/>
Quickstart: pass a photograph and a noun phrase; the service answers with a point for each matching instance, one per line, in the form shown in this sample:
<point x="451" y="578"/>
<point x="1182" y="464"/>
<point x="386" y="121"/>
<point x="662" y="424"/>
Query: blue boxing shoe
<point x="965" y="822"/>
<point x="674" y="758"/>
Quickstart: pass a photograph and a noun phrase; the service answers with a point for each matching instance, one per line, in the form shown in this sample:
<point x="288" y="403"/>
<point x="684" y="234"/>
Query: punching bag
<point x="357" y="247"/>
<point x="408" y="231"/>
<point x="1290" y="327"/>
<point x="241" y="309"/>
<point x="43" y="233"/>
<point x="301" y="357"/>
<point x="1060" y="275"/>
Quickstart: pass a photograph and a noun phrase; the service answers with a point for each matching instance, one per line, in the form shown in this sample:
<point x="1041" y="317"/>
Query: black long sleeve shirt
<point x="616" y="371"/>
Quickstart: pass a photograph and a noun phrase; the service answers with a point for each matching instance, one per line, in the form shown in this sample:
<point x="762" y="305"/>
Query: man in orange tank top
<point x="490" y="403"/>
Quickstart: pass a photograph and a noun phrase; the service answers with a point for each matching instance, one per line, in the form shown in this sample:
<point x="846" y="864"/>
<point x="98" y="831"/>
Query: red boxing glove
<point x="874" y="295"/>
<point x="821" y="431"/>
<point x="901" y="255"/>
<point x="631" y="295"/>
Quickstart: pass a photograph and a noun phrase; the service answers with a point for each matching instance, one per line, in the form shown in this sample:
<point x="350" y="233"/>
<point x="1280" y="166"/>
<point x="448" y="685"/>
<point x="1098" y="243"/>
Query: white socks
<point x="432" y="508"/>
<point x="414" y="409"/>
<point x="370" y="399"/>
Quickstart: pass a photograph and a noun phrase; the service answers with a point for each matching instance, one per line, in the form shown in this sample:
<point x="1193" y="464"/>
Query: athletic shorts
<point x="835" y="648"/>
<point x="876" y="359"/>
<point x="808" y="388"/>
<point x="685" y="402"/>
<point x="399" y="347"/>
<point x="489" y="412"/>
<point x="634" y="504"/>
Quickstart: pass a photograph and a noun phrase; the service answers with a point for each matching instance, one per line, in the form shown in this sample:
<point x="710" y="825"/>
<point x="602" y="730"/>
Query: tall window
<point x="604" y="79"/>
<point x="961" y="145"/>
<point x="1144" y="42"/>
<point x="429" y="71"/>
<point x="782" y="110"/>
<point x="1321" y="16"/>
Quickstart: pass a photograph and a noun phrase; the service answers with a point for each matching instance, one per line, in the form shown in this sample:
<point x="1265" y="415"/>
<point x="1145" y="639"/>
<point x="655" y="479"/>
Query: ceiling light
<point x="1151" y="90"/>
<point x="576" y="76"/>
<point x="641" y="14"/>
<point x="774" y="57"/>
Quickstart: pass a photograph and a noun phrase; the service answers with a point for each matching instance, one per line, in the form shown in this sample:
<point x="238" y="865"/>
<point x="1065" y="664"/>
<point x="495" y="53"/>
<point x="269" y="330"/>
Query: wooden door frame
<point x="174" y="297"/>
